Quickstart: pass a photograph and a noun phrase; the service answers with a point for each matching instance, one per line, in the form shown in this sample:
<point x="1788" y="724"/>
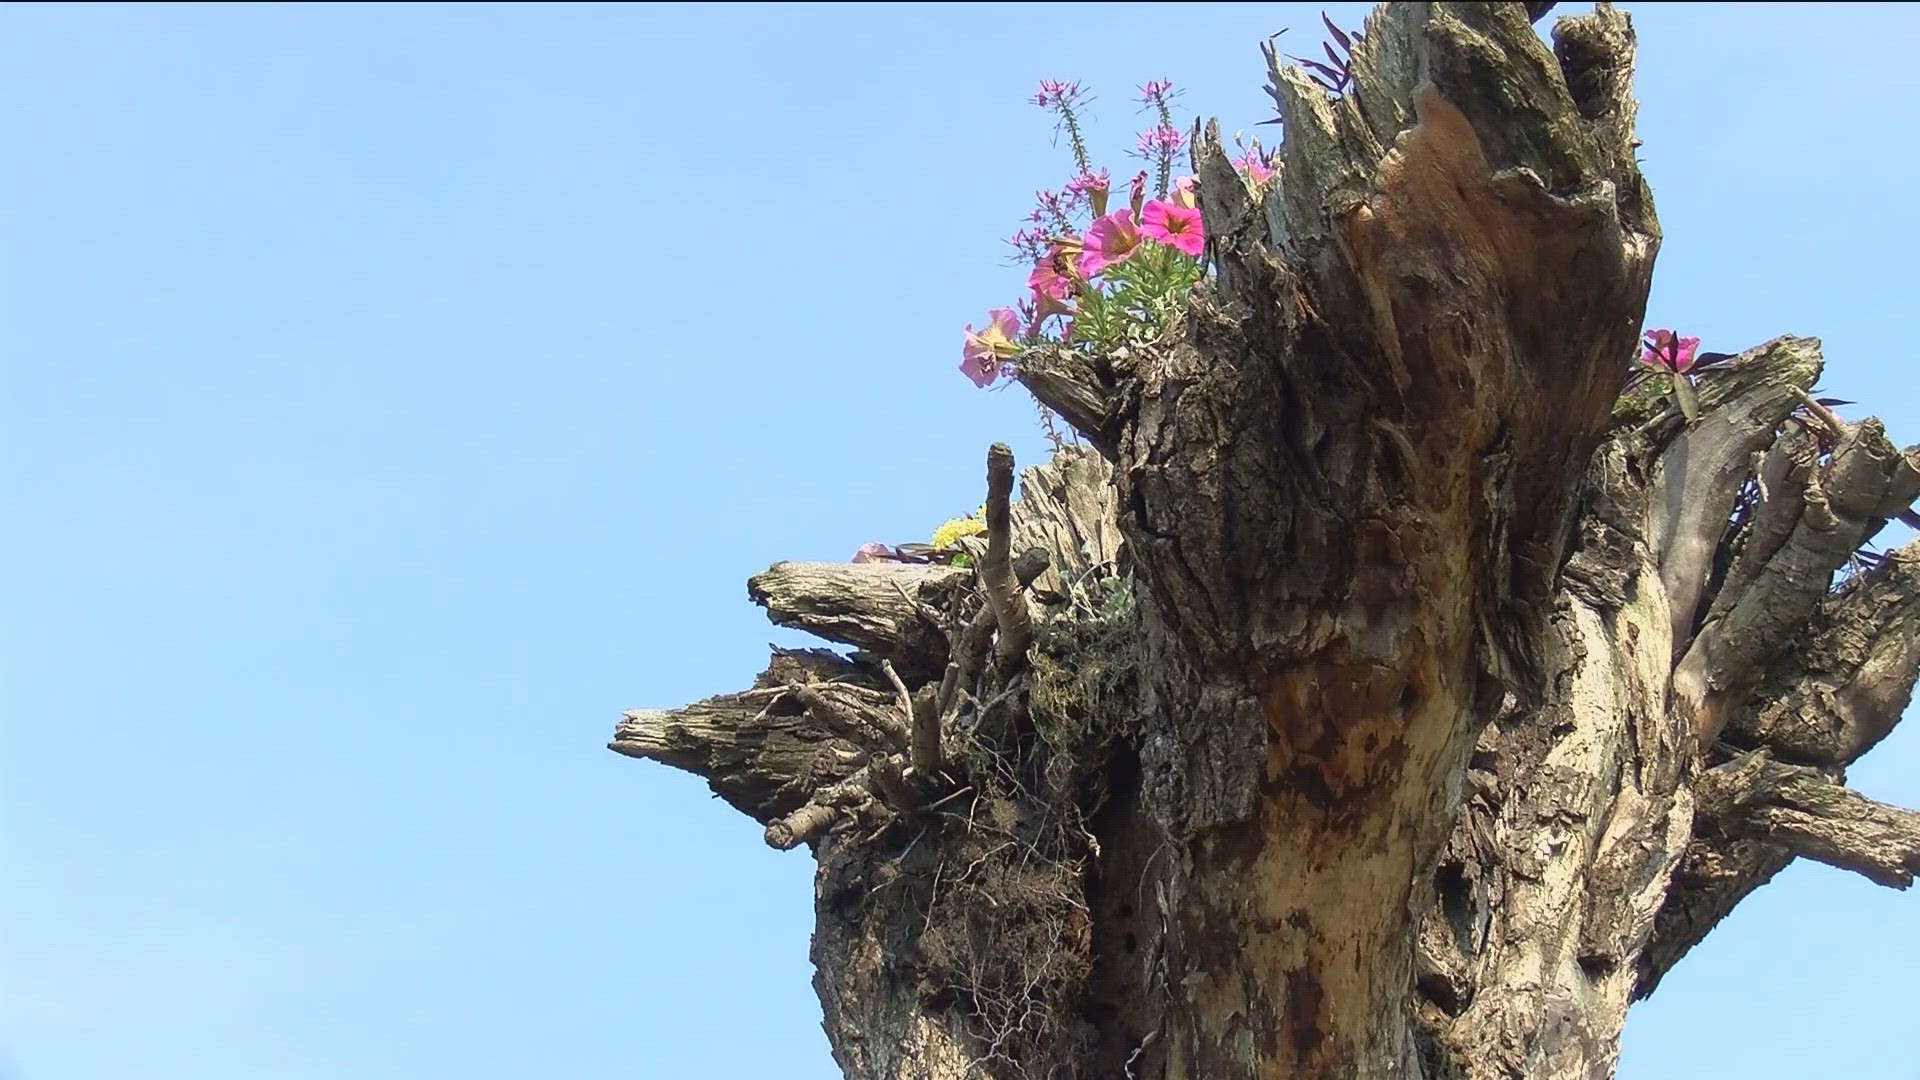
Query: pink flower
<point x="1178" y="227"/>
<point x="1030" y="243"/>
<point x="1186" y="192"/>
<point x="1051" y="286"/>
<point x="1090" y="188"/>
<point x="1161" y="142"/>
<point x="1045" y="307"/>
<point x="984" y="353"/>
<point x="1255" y="170"/>
<point x="1109" y="240"/>
<point x="1054" y="93"/>
<point x="1137" y="191"/>
<point x="1087" y="183"/>
<point x="1670" y="353"/>
<point x="872" y="552"/>
<point x="1156" y="92"/>
<point x="1049" y="308"/>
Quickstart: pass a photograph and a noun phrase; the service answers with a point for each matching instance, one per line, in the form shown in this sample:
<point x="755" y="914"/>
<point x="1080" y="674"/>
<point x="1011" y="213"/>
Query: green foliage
<point x="1142" y="296"/>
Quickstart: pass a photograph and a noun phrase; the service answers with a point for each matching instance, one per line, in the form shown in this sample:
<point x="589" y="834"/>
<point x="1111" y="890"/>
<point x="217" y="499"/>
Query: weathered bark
<point x="1390" y="697"/>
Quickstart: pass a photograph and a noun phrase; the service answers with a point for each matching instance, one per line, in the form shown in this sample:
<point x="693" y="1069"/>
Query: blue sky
<point x="393" y="394"/>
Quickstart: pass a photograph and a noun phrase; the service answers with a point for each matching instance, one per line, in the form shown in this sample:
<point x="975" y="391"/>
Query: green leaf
<point x="1684" y="394"/>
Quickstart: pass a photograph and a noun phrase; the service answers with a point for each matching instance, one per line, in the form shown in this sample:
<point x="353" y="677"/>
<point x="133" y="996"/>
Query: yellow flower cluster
<point x="948" y="534"/>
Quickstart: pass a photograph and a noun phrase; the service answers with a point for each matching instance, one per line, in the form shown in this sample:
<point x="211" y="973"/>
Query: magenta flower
<point x="1160" y="143"/>
<point x="985" y="353"/>
<point x="1256" y="171"/>
<point x="1030" y="243"/>
<point x="1051" y="208"/>
<point x="1137" y="191"/>
<point x="1156" y="92"/>
<point x="1054" y="93"/>
<point x="1186" y="192"/>
<point x="1669" y="352"/>
<point x="1109" y="240"/>
<point x="1087" y="183"/>
<point x="872" y="552"/>
<point x="1090" y="189"/>
<point x="1178" y="227"/>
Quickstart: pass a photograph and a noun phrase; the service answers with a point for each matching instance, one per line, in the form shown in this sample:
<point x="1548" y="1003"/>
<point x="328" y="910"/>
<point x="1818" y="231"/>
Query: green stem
<point x="1075" y="139"/>
<point x="1166" y="155"/>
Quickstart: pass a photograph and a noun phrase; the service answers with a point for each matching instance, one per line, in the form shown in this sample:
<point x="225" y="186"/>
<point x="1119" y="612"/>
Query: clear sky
<point x="390" y="395"/>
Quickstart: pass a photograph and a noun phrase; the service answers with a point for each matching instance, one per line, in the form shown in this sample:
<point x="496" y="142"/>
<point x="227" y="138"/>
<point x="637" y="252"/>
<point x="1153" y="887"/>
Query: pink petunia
<point x="1047" y="280"/>
<point x="1109" y="240"/>
<point x="1137" y="191"/>
<point x="1044" y="307"/>
<point x="1186" y="192"/>
<point x="1178" y="227"/>
<point x="1051" y="285"/>
<point x="1670" y="353"/>
<point x="984" y="353"/>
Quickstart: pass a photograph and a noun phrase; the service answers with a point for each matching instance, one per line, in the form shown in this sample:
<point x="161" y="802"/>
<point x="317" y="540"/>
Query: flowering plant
<point x="1674" y="363"/>
<point x="1102" y="274"/>
<point x="943" y="548"/>
<point x="1673" y="356"/>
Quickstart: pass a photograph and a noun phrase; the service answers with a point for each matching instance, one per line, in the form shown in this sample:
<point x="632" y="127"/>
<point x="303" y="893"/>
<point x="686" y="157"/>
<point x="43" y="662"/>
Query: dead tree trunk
<point x="1382" y="694"/>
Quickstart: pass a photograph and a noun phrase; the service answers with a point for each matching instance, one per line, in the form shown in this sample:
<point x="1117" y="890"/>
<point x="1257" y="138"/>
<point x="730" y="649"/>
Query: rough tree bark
<point x="1380" y="693"/>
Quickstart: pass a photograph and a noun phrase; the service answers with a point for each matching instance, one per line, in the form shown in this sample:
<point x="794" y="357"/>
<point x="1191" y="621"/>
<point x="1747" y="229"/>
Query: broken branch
<point x="923" y="726"/>
<point x="871" y="606"/>
<point x="1829" y="698"/>
<point x="1699" y="473"/>
<point x="819" y="814"/>
<point x="891" y="781"/>
<point x="1067" y="382"/>
<point x="970" y="651"/>
<point x="850" y="718"/>
<point x="1800" y="809"/>
<point x="757" y="749"/>
<point x="1731" y="652"/>
<point x="996" y="566"/>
